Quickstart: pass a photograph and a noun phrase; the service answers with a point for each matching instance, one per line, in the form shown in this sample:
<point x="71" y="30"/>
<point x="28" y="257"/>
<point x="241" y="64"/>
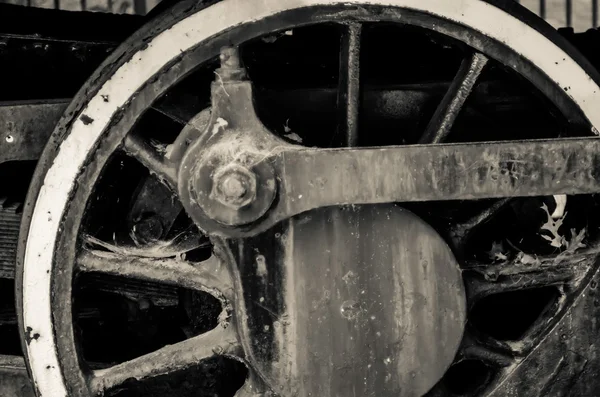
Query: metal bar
<point x="57" y="4"/>
<point x="442" y="172"/>
<point x="25" y="128"/>
<point x="515" y="275"/>
<point x="212" y="277"/>
<point x="156" y="163"/>
<point x="475" y="350"/>
<point x="569" y="12"/>
<point x="220" y="341"/>
<point x="446" y="113"/>
<point x="430" y="173"/>
<point x="594" y="13"/>
<point x="349" y="84"/>
<point x="461" y="230"/>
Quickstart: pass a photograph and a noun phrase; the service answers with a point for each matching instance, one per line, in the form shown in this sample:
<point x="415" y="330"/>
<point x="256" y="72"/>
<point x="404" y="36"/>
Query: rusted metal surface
<point x="50" y="54"/>
<point x="234" y="186"/>
<point x="196" y="177"/>
<point x="347" y="302"/>
<point x="26" y="127"/>
<point x="444" y="172"/>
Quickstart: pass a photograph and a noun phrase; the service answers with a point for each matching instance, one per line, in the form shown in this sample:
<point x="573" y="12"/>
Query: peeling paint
<point x="85" y="119"/>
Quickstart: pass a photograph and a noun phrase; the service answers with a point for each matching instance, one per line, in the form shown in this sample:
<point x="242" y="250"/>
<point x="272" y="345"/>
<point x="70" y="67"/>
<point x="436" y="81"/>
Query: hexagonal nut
<point x="234" y="186"/>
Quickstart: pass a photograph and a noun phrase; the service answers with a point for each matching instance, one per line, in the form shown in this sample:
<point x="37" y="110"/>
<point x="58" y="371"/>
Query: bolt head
<point x="230" y="57"/>
<point x="234" y="186"/>
<point x="231" y="68"/>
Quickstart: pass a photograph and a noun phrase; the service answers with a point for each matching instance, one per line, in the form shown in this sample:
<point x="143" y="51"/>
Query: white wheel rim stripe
<point x="130" y="77"/>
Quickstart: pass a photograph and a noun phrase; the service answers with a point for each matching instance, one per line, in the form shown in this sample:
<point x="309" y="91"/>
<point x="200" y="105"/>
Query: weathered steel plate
<point x="26" y="127"/>
<point x="315" y="178"/>
<point x="364" y="301"/>
<point x="320" y="177"/>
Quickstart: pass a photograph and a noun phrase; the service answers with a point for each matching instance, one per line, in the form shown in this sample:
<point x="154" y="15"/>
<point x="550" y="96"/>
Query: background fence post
<point x="139" y="7"/>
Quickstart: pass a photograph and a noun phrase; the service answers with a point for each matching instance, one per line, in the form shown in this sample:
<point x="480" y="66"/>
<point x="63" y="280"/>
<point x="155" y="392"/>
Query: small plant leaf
<point x="576" y="241"/>
<point x="570" y="244"/>
<point x="556" y="239"/>
<point x="526" y="259"/>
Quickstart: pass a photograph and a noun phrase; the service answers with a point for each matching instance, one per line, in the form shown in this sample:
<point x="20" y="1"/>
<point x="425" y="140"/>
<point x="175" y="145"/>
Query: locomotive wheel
<point x="317" y="299"/>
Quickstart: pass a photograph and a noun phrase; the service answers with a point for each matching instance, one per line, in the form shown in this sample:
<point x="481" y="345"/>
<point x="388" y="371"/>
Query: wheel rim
<point x="59" y="178"/>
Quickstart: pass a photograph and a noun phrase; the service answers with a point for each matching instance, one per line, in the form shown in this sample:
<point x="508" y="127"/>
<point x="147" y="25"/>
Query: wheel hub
<point x="363" y="301"/>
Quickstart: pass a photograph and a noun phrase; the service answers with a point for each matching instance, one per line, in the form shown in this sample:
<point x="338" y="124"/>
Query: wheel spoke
<point x="219" y="341"/>
<point x="488" y="356"/>
<point x="436" y="172"/>
<point x="460" y="231"/>
<point x="458" y="92"/>
<point x="210" y="276"/>
<point x="253" y="387"/>
<point x="156" y="163"/>
<point x="188" y="240"/>
<point x="349" y="84"/>
<point x="485" y="280"/>
<point x="488" y="351"/>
